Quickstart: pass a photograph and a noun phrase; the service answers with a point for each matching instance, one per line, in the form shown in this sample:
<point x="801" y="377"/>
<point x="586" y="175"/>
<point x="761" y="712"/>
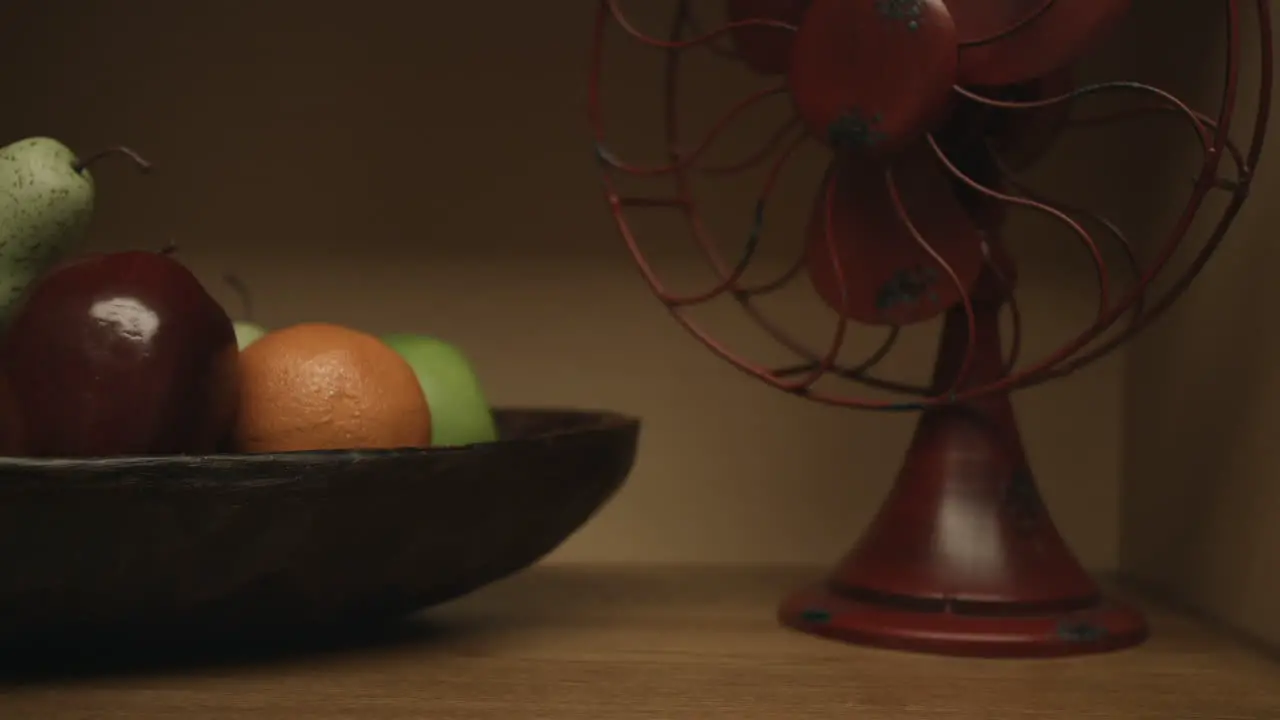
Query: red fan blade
<point x="1021" y="137"/>
<point x="873" y="75"/>
<point x="889" y="277"/>
<point x="1057" y="38"/>
<point x="766" y="50"/>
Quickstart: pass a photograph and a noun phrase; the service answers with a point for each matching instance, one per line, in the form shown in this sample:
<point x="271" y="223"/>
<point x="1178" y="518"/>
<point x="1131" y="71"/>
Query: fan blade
<point x="1055" y="39"/>
<point x="890" y="279"/>
<point x="873" y="75"/>
<point x="766" y="50"/>
<point x="1022" y="136"/>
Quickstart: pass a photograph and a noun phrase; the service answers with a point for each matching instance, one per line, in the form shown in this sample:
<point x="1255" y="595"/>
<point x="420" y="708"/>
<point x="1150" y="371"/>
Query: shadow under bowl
<point x="290" y="539"/>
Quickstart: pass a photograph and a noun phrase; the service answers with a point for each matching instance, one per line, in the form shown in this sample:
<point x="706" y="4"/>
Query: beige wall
<point x="399" y="168"/>
<point x="1201" y="501"/>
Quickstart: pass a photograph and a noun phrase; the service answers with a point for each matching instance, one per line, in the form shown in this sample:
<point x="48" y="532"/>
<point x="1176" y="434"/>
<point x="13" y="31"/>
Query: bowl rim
<point x="602" y="421"/>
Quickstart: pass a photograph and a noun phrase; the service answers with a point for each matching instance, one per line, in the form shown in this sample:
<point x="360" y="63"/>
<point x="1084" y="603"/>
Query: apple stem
<point x="169" y="248"/>
<point x="241" y="290"/>
<point x="139" y="161"/>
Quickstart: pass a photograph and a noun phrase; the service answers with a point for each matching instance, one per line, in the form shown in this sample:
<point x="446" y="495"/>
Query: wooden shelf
<point x="666" y="644"/>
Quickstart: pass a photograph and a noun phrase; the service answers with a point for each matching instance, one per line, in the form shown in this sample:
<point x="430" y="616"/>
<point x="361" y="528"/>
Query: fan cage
<point x="1212" y="134"/>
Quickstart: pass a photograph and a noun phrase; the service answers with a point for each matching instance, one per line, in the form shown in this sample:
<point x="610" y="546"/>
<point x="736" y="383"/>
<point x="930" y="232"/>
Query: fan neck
<point x="986" y="364"/>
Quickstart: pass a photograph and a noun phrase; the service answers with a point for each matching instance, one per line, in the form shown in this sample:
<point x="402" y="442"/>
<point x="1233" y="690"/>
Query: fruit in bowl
<point x="120" y="375"/>
<point x="320" y="386"/>
<point x="460" y="412"/>
<point x="247" y="331"/>
<point x="46" y="205"/>
<point x="122" y="353"/>
<point x="11" y="443"/>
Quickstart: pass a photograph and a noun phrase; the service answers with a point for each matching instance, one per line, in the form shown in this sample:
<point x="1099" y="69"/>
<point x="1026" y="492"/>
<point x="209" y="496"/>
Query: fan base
<point x="820" y="610"/>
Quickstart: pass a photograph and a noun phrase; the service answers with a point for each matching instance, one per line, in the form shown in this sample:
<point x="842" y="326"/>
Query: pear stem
<point x="242" y="291"/>
<point x="140" y="162"/>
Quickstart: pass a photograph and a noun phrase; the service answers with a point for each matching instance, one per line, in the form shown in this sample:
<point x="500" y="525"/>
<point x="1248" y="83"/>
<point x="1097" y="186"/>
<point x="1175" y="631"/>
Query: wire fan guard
<point x="929" y="111"/>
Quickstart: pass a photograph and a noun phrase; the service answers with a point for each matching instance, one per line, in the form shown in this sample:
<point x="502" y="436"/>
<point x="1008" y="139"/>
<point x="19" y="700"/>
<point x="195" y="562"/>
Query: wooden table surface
<point x="660" y="644"/>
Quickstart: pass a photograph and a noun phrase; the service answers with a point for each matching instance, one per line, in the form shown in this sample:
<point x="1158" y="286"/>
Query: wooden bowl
<point x="248" y="541"/>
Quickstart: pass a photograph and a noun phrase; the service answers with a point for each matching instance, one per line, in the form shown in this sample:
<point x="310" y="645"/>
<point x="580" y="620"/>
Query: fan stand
<point x="963" y="558"/>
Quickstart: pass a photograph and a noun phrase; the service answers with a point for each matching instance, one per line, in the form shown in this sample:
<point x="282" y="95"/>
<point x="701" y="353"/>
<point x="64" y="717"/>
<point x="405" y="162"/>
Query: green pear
<point x="45" y="208"/>
<point x="46" y="202"/>
<point x="460" y="415"/>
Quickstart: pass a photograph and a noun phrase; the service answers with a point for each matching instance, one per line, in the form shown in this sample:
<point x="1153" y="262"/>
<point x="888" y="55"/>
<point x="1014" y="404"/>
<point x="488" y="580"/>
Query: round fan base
<point x="821" y="610"/>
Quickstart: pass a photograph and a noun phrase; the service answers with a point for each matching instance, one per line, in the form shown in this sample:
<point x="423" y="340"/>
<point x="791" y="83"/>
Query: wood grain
<point x="275" y="538"/>
<point x="577" y="642"/>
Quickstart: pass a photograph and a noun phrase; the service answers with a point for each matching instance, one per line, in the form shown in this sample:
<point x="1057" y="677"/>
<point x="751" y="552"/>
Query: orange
<point x="318" y="386"/>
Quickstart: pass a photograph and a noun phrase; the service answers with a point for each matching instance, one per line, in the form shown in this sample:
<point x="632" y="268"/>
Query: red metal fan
<point x="927" y="108"/>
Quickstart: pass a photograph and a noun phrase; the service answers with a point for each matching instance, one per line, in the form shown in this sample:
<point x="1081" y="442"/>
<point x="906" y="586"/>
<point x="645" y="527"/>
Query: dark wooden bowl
<point x="235" y="541"/>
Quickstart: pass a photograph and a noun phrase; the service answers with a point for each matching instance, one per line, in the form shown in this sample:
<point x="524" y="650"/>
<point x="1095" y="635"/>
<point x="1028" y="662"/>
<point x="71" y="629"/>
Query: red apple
<point x="121" y="354"/>
<point x="10" y="423"/>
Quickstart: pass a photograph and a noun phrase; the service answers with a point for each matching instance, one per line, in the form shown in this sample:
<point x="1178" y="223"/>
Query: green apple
<point x="460" y="414"/>
<point x="247" y="333"/>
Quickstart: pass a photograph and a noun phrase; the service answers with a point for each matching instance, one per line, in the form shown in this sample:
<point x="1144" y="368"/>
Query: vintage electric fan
<point x="927" y="107"/>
